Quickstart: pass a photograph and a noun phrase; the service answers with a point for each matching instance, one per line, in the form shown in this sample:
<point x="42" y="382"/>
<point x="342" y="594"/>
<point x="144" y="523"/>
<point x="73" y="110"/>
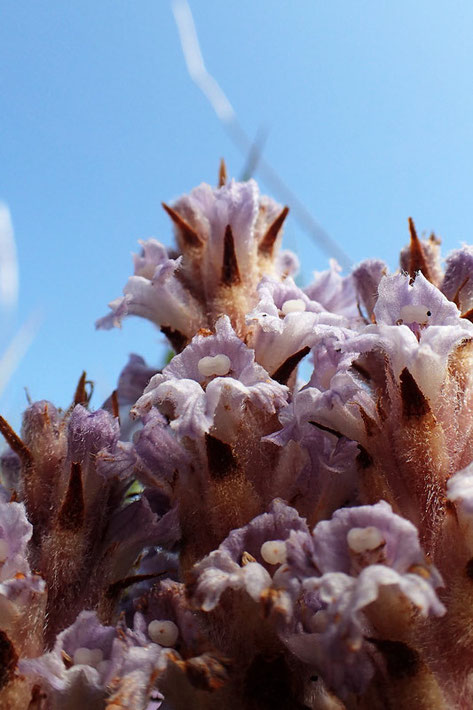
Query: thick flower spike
<point x="222" y="535"/>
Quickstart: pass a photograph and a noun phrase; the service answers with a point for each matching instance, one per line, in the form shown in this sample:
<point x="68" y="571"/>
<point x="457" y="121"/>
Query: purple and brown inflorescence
<point x="221" y="536"/>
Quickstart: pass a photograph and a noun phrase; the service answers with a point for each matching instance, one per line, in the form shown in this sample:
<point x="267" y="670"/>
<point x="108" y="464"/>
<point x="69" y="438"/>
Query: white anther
<point x="293" y="305"/>
<point x="319" y="622"/>
<point x="82" y="657"/>
<point x="415" y="314"/>
<point x="3" y="550"/>
<point x="103" y="667"/>
<point x="163" y="632"/>
<point x="273" y="552"/>
<point x="217" y="365"/>
<point x="364" y="539"/>
<point x="96" y="657"/>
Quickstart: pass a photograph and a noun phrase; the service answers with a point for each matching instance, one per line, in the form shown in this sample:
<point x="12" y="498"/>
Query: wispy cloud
<point x="8" y="261"/>
<point x="17" y="348"/>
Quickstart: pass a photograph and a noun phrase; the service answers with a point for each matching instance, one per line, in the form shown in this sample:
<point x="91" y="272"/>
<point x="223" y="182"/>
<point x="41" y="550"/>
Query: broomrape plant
<point x="287" y="546"/>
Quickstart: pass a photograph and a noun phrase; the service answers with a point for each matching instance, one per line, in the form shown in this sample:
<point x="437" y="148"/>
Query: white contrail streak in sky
<point x="195" y="62"/>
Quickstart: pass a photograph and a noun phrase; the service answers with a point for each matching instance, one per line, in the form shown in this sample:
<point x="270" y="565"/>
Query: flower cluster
<point x="221" y="535"/>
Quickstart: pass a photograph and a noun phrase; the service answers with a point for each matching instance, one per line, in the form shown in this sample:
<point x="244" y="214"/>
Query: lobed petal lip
<point x="227" y="567"/>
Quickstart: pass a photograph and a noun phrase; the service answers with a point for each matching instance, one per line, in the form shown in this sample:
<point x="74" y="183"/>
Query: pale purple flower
<point x="242" y="561"/>
<point x="352" y="557"/>
<point x="154" y="293"/>
<point x="21" y="591"/>
<point x="215" y="373"/>
<point x="367" y="277"/>
<point x="334" y="292"/>
<point x="282" y="327"/>
<point x="457" y="282"/>
<point x="91" y="662"/>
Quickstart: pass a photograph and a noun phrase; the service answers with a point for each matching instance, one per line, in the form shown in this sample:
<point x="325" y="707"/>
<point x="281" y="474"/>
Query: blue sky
<point x="368" y="108"/>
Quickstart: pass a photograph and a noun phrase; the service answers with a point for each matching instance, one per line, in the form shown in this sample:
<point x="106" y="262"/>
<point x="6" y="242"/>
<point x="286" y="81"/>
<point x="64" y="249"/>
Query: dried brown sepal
<point x="266" y="245"/>
<point x="230" y="271"/>
<point x="414" y="403"/>
<point x="188" y="234"/>
<point x="205" y="672"/>
<point x="284" y="371"/>
<point x="71" y="514"/>
<point x="222" y="173"/>
<point x="8" y="659"/>
<point x="220" y="458"/>
<point x="83" y="395"/>
<point x="417" y="261"/>
<point x="15" y="443"/>
<point x="115" y="405"/>
<point x="177" y="340"/>
<point x="80" y="395"/>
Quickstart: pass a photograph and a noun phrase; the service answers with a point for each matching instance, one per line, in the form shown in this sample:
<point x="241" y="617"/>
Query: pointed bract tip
<point x="414" y="402"/>
<point x="81" y="395"/>
<point x="220" y="458"/>
<point x="284" y="371"/>
<point x="188" y="234"/>
<point x="222" y="173"/>
<point x="267" y="243"/>
<point x="417" y="260"/>
<point x="15" y="443"/>
<point x="115" y="405"/>
<point x="71" y="515"/>
<point x="230" y="270"/>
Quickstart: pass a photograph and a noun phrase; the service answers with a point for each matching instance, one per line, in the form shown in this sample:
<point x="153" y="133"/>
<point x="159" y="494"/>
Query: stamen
<point x="415" y="314"/>
<point x="217" y="365"/>
<point x="3" y="550"/>
<point x="364" y="539"/>
<point x="274" y="552"/>
<point x="293" y="305"/>
<point x="163" y="632"/>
